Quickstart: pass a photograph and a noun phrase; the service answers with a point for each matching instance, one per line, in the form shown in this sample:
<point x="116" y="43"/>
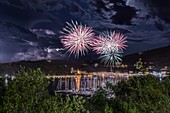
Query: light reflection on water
<point x="85" y="83"/>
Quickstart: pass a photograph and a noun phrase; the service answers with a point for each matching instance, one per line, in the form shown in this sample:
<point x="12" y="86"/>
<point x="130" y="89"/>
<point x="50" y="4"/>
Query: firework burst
<point x="110" y="46"/>
<point x="76" y="38"/>
<point x="111" y="59"/>
<point x="120" y="41"/>
<point x="109" y="41"/>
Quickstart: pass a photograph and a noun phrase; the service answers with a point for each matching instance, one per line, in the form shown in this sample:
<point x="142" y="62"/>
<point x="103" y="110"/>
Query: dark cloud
<point x="124" y="15"/>
<point x="29" y="29"/>
<point x="161" y="9"/>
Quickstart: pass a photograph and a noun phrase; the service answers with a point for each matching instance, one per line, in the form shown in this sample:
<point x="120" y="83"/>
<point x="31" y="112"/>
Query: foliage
<point x="1" y="92"/>
<point x="144" y="94"/>
<point x="55" y="104"/>
<point x="139" y="94"/>
<point x="28" y="93"/>
<point x="108" y="109"/>
<point x="98" y="101"/>
<point x="75" y="105"/>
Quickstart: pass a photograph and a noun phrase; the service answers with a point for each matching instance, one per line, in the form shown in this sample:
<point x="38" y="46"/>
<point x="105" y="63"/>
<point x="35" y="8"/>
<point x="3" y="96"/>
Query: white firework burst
<point x="77" y="38"/>
<point x="110" y="46"/>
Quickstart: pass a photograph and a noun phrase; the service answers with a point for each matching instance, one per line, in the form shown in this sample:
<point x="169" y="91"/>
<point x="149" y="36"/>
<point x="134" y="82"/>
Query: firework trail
<point x="77" y="38"/>
<point x="110" y="46"/>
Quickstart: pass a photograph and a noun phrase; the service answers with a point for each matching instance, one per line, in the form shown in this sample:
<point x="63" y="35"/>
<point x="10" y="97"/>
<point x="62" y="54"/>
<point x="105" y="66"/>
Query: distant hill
<point x="53" y="67"/>
<point x="160" y="57"/>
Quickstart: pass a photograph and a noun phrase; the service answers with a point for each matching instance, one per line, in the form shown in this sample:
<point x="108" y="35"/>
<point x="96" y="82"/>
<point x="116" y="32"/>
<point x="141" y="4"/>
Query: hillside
<point x="158" y="57"/>
<point x="53" y="67"/>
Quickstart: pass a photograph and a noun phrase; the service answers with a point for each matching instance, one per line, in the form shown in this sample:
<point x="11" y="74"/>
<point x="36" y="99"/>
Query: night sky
<point x="29" y="29"/>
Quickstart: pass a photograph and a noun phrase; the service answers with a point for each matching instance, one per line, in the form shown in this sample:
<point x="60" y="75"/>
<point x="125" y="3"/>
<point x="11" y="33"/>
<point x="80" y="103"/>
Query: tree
<point x="143" y="94"/>
<point x="28" y="93"/>
<point x="1" y="91"/>
<point x="74" y="105"/>
<point x="108" y="109"/>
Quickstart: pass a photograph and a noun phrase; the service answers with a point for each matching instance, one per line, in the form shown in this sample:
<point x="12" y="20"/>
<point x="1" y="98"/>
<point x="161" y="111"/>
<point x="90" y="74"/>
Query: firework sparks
<point x="120" y="40"/>
<point x="110" y="46"/>
<point x="111" y="59"/>
<point x="109" y="41"/>
<point x="102" y="45"/>
<point x="77" y="38"/>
